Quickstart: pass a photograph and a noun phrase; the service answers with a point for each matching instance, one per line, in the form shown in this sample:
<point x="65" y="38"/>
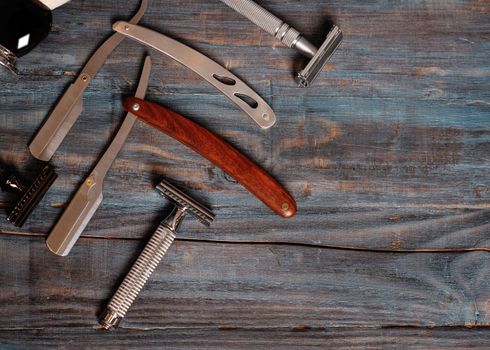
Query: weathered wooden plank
<point x="388" y="229"/>
<point x="202" y="284"/>
<point x="402" y="145"/>
<point x="389" y="151"/>
<point x="430" y="212"/>
<point x="204" y="339"/>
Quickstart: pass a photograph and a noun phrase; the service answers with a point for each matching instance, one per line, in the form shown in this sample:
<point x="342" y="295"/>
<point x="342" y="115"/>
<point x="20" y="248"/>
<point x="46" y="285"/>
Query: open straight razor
<point x="69" y="107"/>
<point x="221" y="78"/>
<point x="89" y="196"/>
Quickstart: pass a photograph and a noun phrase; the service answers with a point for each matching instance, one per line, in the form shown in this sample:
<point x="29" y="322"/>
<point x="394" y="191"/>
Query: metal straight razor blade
<point x="222" y="79"/>
<point x="70" y="106"/>
<point x="89" y="196"/>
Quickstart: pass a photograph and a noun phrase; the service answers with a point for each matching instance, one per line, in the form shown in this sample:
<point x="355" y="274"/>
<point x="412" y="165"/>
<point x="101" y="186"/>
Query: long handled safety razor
<point x="291" y="38"/>
<point x="153" y="253"/>
<point x="30" y="195"/>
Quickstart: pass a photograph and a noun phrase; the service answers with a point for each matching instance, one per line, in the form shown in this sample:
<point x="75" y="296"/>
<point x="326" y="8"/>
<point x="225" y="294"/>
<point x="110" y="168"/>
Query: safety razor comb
<point x="30" y="195"/>
<point x="291" y="38"/>
<point x="153" y="253"/>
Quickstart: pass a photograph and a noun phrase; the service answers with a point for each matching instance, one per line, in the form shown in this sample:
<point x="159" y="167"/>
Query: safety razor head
<point x="30" y="195"/>
<point x="186" y="202"/>
<point x="321" y="57"/>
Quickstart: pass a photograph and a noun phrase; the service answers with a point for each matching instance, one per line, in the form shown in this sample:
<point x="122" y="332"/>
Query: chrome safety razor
<point x="29" y="194"/>
<point x="153" y="253"/>
<point x="291" y="38"/>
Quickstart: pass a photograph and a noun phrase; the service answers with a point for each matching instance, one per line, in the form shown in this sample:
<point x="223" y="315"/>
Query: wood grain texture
<point x="206" y="284"/>
<point x="387" y="156"/>
<point x="212" y="339"/>
<point x="216" y="150"/>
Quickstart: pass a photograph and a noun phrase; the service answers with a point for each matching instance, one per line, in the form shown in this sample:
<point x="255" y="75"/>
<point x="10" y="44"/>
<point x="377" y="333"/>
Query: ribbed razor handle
<point x="265" y="20"/>
<point x="8" y="59"/>
<point x="136" y="279"/>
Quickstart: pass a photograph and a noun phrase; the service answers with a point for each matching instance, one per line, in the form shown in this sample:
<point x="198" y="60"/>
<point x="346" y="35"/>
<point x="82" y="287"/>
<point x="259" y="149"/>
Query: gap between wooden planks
<point x="321" y="246"/>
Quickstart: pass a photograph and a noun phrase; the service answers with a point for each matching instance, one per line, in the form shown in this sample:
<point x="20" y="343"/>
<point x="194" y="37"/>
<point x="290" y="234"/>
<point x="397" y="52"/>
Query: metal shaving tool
<point x="24" y="24"/>
<point x="153" y="253"/>
<point x="70" y="106"/>
<point x="89" y="196"/>
<point x="291" y="38"/>
<point x="221" y="78"/>
<point x="31" y="194"/>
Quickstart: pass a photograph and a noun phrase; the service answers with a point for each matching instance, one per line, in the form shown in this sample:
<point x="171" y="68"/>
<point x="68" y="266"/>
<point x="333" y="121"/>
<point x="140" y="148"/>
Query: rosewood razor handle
<point x="216" y="150"/>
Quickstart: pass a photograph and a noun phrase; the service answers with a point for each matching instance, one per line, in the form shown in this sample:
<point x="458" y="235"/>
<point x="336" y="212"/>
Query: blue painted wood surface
<point x="387" y="156"/>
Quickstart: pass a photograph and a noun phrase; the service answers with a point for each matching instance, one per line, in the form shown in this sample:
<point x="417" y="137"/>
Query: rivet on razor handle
<point x="291" y="38"/>
<point x="31" y="195"/>
<point x="153" y="253"/>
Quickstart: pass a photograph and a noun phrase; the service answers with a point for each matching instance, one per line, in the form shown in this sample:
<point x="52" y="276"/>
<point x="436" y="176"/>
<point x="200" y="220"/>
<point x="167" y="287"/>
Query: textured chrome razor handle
<point x="265" y="20"/>
<point x="271" y="24"/>
<point x="141" y="270"/>
<point x="8" y="59"/>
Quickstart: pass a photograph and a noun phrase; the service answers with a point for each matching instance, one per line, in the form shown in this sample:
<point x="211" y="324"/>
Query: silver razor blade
<point x="316" y="64"/>
<point x="183" y="200"/>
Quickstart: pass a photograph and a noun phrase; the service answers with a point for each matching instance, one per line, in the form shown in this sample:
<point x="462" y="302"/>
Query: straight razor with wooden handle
<point x="89" y="196"/>
<point x="70" y="106"/>
<point x="216" y="150"/>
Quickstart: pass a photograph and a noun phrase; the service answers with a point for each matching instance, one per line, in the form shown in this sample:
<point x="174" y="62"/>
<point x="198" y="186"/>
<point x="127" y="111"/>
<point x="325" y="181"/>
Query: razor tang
<point x="89" y="196"/>
<point x="70" y="106"/>
<point x="222" y="79"/>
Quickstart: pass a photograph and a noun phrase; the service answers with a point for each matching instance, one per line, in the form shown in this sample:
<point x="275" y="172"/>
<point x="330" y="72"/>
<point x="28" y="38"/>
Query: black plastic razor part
<point x="23" y="25"/>
<point x="30" y="196"/>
